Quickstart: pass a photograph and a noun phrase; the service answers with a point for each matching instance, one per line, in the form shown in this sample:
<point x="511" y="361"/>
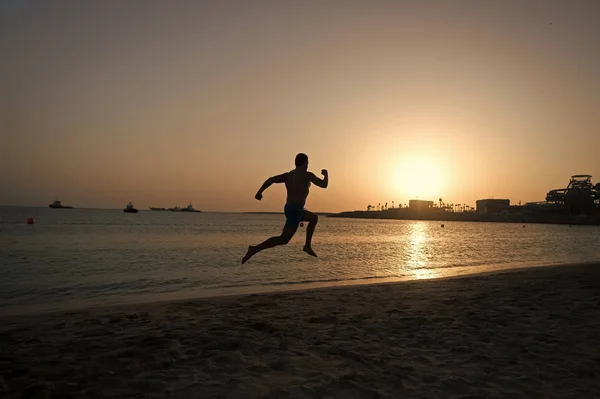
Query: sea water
<point x="74" y="258"/>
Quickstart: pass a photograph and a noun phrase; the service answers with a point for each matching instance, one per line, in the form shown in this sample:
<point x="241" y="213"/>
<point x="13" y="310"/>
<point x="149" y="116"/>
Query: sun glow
<point x="419" y="177"/>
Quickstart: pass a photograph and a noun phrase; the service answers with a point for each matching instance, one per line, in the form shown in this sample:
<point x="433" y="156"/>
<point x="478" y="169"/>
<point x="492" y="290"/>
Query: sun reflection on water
<point x="417" y="251"/>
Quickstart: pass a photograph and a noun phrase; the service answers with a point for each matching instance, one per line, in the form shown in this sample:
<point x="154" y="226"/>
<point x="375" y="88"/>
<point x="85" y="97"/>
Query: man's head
<point x="301" y="161"/>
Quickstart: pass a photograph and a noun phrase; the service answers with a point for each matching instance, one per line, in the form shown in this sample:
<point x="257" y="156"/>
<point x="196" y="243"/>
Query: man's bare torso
<point x="297" y="184"/>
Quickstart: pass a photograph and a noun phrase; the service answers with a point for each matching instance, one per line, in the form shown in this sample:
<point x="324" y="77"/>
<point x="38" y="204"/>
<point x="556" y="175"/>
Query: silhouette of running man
<point x="297" y="183"/>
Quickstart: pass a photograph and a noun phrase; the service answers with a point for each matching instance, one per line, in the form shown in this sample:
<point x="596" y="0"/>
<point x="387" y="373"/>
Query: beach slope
<point x="527" y="333"/>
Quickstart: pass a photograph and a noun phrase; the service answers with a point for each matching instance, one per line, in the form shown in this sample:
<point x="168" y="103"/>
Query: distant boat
<point x="188" y="208"/>
<point x="57" y="205"/>
<point x="130" y="209"/>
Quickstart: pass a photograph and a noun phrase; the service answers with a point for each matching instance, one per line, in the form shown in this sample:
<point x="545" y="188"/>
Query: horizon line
<point x="148" y="210"/>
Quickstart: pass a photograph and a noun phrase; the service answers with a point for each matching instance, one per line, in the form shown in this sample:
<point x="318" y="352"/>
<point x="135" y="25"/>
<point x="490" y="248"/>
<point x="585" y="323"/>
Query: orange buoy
<point x="442" y="225"/>
<point x="30" y="221"/>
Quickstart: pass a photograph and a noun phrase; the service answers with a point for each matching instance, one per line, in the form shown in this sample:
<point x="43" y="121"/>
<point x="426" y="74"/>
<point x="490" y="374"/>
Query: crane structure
<point x="580" y="196"/>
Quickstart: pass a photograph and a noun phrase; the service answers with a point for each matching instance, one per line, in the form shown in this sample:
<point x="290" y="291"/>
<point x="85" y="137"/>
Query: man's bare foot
<point x="251" y="252"/>
<point x="309" y="251"/>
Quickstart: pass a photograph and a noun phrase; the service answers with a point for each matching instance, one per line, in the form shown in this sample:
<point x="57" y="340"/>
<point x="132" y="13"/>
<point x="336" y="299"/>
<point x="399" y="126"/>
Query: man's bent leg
<point x="312" y="220"/>
<point x="285" y="237"/>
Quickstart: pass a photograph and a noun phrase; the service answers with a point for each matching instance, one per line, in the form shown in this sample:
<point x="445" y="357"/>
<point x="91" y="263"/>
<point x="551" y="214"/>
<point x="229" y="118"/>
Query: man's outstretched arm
<point x="275" y="179"/>
<point x="324" y="182"/>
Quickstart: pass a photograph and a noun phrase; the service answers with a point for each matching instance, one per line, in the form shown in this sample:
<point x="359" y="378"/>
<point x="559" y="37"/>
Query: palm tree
<point x="392" y="204"/>
<point x="386" y="206"/>
<point x="379" y="206"/>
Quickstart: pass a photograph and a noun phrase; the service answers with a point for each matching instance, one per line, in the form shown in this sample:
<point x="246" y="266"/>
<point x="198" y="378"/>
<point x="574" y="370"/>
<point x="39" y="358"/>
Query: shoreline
<point x="437" y="216"/>
<point x="530" y="332"/>
<point x="291" y="288"/>
<point x="302" y="289"/>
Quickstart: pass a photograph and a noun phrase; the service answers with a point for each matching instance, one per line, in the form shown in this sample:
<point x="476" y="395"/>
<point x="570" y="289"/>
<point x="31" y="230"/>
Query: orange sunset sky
<point x="160" y="103"/>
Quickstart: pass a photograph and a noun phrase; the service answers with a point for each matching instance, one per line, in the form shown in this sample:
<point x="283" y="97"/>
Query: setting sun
<point x="419" y="177"/>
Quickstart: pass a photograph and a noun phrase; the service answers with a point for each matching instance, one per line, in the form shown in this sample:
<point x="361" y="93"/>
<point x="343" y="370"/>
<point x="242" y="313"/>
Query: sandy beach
<point x="525" y="333"/>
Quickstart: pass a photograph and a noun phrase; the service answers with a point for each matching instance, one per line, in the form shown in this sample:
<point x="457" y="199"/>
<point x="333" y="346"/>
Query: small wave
<point x="301" y="282"/>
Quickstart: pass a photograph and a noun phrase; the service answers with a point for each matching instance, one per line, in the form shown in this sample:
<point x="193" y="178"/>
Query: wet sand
<point x="524" y="333"/>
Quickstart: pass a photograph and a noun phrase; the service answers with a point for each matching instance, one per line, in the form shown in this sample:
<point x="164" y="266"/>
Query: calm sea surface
<point x="81" y="257"/>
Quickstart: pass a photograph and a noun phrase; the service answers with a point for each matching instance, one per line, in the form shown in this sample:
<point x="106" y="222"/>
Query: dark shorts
<point x="293" y="215"/>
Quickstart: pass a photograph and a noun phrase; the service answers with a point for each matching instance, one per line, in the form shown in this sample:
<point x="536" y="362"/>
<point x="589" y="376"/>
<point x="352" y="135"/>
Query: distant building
<point x="492" y="205"/>
<point x="420" y="204"/>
